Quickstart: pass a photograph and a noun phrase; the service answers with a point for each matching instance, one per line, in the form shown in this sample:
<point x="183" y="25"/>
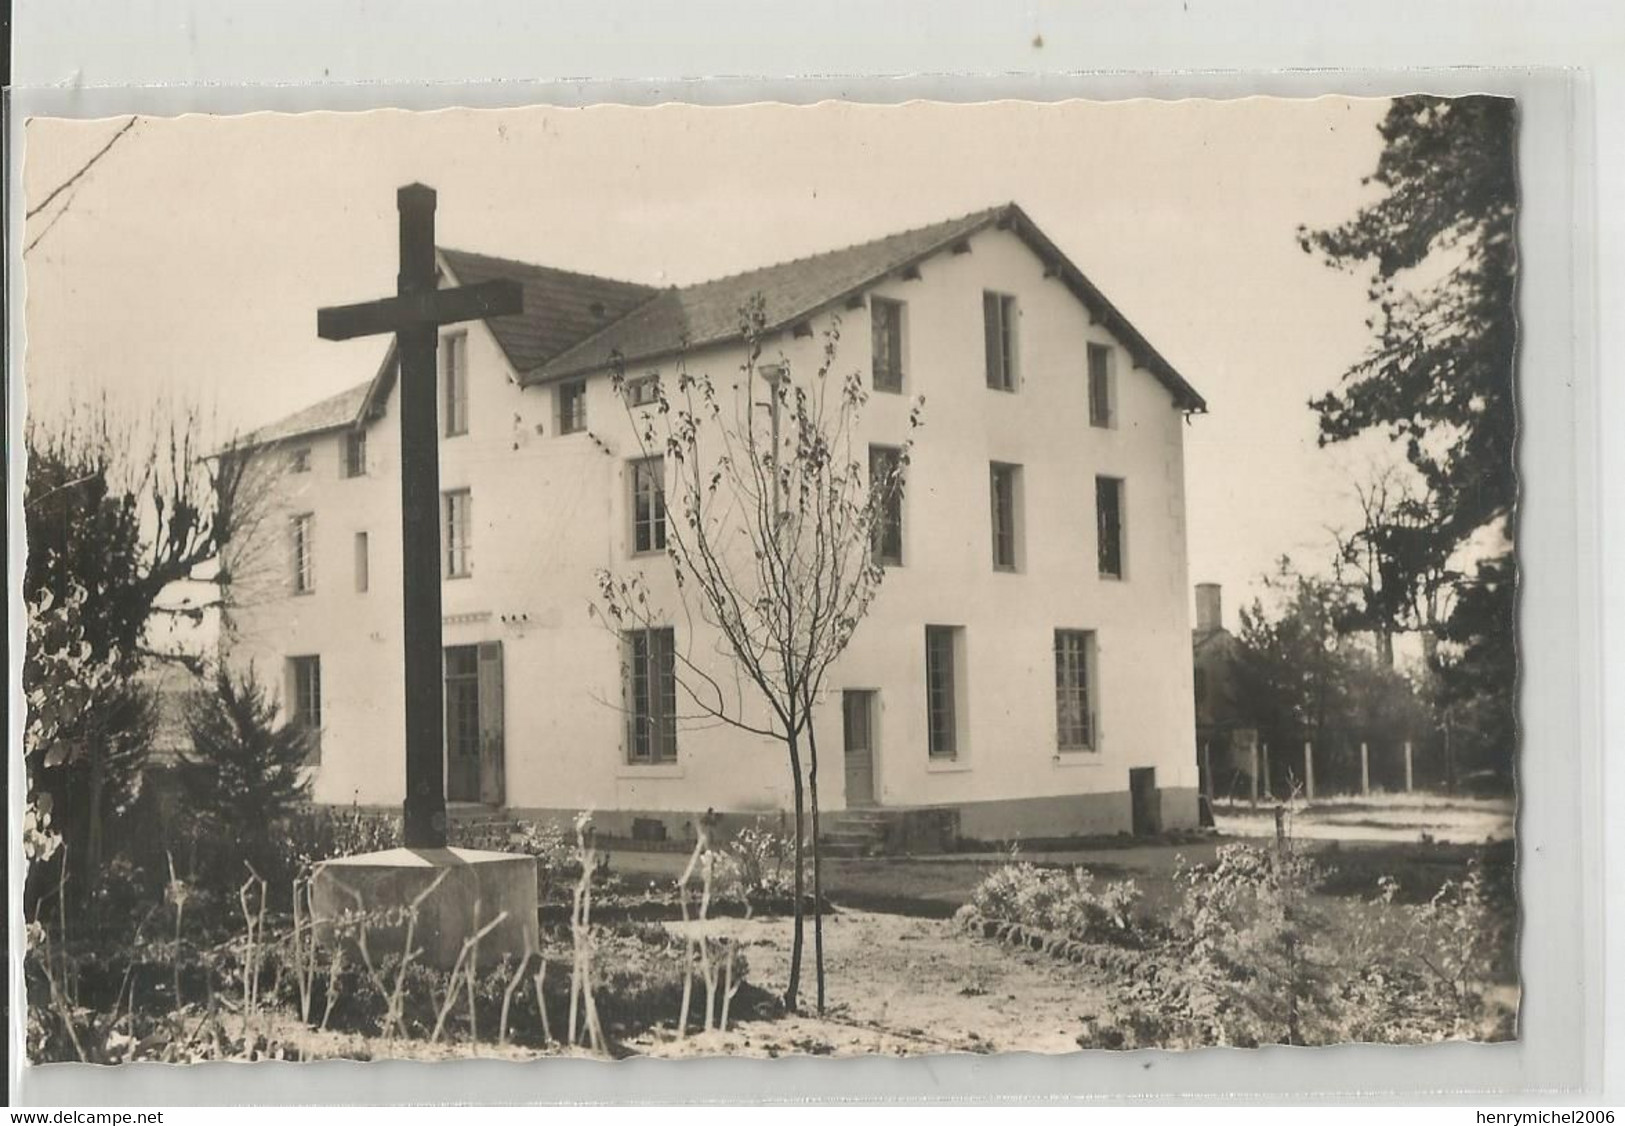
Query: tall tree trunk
<point x="818" y="859"/>
<point x="797" y="941"/>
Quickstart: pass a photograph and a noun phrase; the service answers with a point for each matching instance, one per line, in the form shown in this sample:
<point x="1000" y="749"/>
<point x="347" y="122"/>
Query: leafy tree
<point x="770" y="539"/>
<point x="1438" y="380"/>
<point x="1440" y="251"/>
<point x="246" y="772"/>
<point x="1301" y="675"/>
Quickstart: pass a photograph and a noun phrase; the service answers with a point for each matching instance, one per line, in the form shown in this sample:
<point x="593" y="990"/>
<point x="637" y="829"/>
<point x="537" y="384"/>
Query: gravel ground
<point x="901" y="986"/>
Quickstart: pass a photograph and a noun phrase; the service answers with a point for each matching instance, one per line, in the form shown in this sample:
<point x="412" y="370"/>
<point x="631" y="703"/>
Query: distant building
<point x="1023" y="668"/>
<point x="1225" y="732"/>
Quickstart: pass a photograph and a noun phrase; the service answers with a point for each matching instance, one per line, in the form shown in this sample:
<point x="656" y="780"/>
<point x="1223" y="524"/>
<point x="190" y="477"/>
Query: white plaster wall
<point x="550" y="510"/>
<point x="1142" y="629"/>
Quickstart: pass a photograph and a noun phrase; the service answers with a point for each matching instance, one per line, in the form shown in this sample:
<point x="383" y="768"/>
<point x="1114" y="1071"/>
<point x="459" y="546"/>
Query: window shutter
<point x="492" y="757"/>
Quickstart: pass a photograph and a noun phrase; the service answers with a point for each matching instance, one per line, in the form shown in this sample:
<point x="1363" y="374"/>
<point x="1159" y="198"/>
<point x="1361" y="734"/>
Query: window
<point x="643" y="391"/>
<point x="572" y="400"/>
<point x="999" y="325"/>
<point x="651" y="692"/>
<point x="459" y="530"/>
<point x="462" y="673"/>
<point x="299" y="460"/>
<point x="885" y="463"/>
<point x="1109" y="525"/>
<point x="305" y="695"/>
<point x="1074" y="727"/>
<point x="1005" y="486"/>
<point x="886" y="332"/>
<point x="303" y="529"/>
<point x="363" y="565"/>
<point x="454" y="368"/>
<point x="1100" y="386"/>
<point x="941" y="691"/>
<point x="355" y="453"/>
<point x="648" y="505"/>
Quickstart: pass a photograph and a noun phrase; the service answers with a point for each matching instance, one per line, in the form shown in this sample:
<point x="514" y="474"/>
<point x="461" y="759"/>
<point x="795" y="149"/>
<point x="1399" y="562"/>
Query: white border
<point x="83" y="52"/>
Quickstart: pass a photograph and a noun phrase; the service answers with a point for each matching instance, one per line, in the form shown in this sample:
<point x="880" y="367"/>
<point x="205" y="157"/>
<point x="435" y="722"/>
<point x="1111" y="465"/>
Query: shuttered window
<point x="1109" y="525"/>
<point x="648" y="505"/>
<point x="302" y="531"/>
<point x="886" y="331"/>
<point x="1100" y="386"/>
<point x="1073" y="719"/>
<point x="454" y="379"/>
<point x="355" y="453"/>
<point x="941" y="691"/>
<point x="572" y="406"/>
<point x="459" y="528"/>
<point x="651" y="693"/>
<point x="305" y="700"/>
<point x="884" y="464"/>
<point x="999" y="333"/>
<point x="1004" y="484"/>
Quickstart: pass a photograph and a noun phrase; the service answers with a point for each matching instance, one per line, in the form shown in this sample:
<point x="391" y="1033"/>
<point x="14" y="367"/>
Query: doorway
<point x="1145" y="802"/>
<point x="858" y="721"/>
<point x="474" y="729"/>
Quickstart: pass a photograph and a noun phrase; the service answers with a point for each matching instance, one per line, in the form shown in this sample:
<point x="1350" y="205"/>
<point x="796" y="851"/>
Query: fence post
<point x="1365" y="769"/>
<point x="1207" y="770"/>
<point x="1253" y="771"/>
<point x="1407" y="766"/>
<point x="1308" y="770"/>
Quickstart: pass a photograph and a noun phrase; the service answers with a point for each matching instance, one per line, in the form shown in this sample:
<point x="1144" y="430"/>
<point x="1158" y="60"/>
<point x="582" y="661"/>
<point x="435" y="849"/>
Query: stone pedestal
<point x="375" y="890"/>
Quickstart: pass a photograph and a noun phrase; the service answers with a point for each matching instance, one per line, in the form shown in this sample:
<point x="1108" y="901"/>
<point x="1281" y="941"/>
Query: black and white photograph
<point x="771" y="580"/>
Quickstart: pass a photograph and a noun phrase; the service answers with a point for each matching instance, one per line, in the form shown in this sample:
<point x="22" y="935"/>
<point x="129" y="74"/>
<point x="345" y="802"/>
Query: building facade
<point x="1024" y="667"/>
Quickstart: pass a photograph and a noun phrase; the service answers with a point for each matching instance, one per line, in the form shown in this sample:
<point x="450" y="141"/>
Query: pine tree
<point x="246" y="773"/>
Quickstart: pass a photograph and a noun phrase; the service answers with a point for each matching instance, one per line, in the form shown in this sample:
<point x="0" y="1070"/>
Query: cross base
<point x="375" y="890"/>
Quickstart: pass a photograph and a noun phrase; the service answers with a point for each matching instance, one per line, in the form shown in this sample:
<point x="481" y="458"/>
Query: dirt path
<point x="901" y="986"/>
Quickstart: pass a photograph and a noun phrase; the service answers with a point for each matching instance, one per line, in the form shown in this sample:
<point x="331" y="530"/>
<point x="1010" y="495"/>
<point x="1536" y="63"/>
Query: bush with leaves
<point x="246" y="776"/>
<point x="1065" y="902"/>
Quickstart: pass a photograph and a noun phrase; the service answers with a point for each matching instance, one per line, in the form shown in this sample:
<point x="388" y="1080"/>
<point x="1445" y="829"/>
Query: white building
<point x="1026" y="664"/>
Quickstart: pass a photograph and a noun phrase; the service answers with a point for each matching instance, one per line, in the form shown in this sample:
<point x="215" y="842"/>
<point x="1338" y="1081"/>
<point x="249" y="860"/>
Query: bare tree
<point x="125" y="520"/>
<point x="773" y="519"/>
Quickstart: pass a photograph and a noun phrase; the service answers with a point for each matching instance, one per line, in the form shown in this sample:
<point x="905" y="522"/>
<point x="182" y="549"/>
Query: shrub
<point x="1062" y="901"/>
<point x="757" y="868"/>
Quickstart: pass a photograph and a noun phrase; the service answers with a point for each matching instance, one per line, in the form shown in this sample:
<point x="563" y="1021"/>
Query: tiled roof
<point x="561" y="308"/>
<point x="343" y="409"/>
<point x="709" y="312"/>
<point x="577" y="323"/>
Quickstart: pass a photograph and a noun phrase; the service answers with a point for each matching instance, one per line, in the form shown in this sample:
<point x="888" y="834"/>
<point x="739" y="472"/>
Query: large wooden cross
<point x="414" y="315"/>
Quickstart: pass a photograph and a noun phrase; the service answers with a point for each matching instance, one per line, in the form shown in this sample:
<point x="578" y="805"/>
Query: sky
<point x="188" y="263"/>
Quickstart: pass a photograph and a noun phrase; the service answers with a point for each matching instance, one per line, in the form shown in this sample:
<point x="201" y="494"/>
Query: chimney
<point x="1209" y="610"/>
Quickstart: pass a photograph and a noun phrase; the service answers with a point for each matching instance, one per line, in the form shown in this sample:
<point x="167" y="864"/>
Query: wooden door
<point x="1145" y="801"/>
<point x="857" y="709"/>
